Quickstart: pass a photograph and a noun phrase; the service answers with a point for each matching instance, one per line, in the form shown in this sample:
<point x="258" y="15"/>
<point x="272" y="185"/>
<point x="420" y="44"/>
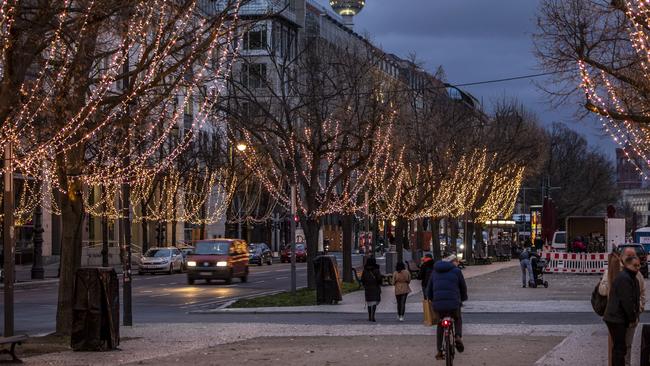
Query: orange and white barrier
<point x="575" y="262"/>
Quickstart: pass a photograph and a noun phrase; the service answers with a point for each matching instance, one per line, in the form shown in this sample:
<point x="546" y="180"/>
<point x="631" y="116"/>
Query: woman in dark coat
<point x="371" y="280"/>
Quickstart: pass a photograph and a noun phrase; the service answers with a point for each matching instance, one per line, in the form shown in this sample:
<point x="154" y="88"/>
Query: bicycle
<point x="449" y="340"/>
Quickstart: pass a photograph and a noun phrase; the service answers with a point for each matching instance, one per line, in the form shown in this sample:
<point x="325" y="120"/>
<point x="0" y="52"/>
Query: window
<point x="212" y="248"/>
<point x="254" y="75"/>
<point x="158" y="253"/>
<point x="256" y="38"/>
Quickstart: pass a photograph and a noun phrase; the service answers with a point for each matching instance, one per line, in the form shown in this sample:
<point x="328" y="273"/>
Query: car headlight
<point x="462" y="247"/>
<point x="165" y="261"/>
<point x="222" y="264"/>
<point x="191" y="264"/>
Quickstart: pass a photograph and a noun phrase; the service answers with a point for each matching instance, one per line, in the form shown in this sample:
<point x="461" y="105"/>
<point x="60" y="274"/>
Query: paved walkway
<point x="181" y="343"/>
<point x="355" y="302"/>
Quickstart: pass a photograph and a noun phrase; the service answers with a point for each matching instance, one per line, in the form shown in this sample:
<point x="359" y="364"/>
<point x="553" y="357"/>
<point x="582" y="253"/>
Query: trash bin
<point x="328" y="285"/>
<point x="95" y="310"/>
<point x="391" y="261"/>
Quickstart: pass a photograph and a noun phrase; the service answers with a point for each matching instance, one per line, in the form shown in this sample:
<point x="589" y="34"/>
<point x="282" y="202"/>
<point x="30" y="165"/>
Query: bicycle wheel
<point x="449" y="350"/>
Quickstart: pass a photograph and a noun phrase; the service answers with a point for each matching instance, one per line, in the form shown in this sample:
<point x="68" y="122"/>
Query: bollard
<point x="645" y="345"/>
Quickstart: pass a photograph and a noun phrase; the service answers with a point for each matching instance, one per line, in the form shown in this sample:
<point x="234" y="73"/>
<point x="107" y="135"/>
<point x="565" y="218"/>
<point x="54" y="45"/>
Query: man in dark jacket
<point x="425" y="272"/>
<point x="623" y="306"/>
<point x="447" y="290"/>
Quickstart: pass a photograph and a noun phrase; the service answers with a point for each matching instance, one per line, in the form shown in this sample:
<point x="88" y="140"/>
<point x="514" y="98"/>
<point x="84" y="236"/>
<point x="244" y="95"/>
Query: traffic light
<point x="296" y="218"/>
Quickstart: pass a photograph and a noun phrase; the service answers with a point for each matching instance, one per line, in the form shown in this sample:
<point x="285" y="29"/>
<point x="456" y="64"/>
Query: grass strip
<point x="303" y="297"/>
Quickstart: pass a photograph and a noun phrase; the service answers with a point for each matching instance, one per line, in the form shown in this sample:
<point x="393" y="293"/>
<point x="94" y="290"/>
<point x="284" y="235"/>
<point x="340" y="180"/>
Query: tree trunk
<point x="478" y="237"/>
<point x="451" y="245"/>
<point x="347" y="248"/>
<point x="145" y="227"/>
<point x="435" y="239"/>
<point x="71" y="237"/>
<point x="419" y="240"/>
<point x="469" y="244"/>
<point x="312" y="225"/>
<point x="399" y="239"/>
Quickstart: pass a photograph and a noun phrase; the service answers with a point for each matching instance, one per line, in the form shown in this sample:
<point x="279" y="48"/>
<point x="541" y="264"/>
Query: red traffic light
<point x="296" y="218"/>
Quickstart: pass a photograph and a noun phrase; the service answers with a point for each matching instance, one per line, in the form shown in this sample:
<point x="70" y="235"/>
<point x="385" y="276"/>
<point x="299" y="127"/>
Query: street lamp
<point x="241" y="146"/>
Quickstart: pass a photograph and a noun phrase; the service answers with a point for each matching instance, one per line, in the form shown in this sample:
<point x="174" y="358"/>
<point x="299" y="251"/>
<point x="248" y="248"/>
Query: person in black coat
<point x="371" y="280"/>
<point x="623" y="306"/>
<point x="426" y="268"/>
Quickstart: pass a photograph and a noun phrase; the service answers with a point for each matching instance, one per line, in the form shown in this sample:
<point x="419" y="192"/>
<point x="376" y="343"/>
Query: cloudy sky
<point x="473" y="40"/>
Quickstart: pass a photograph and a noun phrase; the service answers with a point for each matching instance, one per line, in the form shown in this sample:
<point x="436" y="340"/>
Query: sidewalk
<point x="372" y="344"/>
<point x="51" y="271"/>
<point x="355" y="302"/>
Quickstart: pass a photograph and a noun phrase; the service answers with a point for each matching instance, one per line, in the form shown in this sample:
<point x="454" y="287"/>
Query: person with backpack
<point x="524" y="263"/>
<point x="447" y="290"/>
<point x="616" y="265"/>
<point x="371" y="280"/>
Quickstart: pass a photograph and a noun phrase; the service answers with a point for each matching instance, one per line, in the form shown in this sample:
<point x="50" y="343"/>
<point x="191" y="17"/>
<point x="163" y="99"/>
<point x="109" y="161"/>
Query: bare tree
<point x="101" y="77"/>
<point x="314" y="116"/>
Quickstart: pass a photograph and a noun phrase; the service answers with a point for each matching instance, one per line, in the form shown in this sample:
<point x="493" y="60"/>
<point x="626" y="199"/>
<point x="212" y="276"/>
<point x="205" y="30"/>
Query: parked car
<point x="301" y="253"/>
<point x="260" y="254"/>
<point x="165" y="260"/>
<point x="218" y="259"/>
<point x="640" y="252"/>
<point x="185" y="251"/>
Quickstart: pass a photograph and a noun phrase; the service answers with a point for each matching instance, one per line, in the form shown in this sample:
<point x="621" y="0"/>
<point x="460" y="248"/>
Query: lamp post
<point x="37" y="267"/>
<point x="8" y="239"/>
<point x="241" y="146"/>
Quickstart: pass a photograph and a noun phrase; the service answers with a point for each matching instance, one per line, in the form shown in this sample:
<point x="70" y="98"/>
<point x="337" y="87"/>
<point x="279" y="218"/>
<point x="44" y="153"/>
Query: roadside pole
<point x="126" y="287"/>
<point x="8" y="241"/>
<point x="293" y="239"/>
<point x="367" y="240"/>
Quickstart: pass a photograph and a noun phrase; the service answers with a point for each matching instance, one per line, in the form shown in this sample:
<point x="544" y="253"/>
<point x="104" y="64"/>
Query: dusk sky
<point x="473" y="40"/>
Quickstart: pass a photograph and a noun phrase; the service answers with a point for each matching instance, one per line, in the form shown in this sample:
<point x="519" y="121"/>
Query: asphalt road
<point x="161" y="298"/>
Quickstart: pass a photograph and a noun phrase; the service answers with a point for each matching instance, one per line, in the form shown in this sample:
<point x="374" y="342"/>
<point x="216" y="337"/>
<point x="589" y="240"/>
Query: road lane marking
<point x="160" y="295"/>
<point x="281" y="278"/>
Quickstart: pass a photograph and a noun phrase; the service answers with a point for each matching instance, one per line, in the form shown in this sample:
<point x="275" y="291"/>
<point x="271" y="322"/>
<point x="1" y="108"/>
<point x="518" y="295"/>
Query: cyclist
<point x="447" y="290"/>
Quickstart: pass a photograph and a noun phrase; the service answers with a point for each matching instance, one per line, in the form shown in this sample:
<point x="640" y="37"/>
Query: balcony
<point x="253" y="8"/>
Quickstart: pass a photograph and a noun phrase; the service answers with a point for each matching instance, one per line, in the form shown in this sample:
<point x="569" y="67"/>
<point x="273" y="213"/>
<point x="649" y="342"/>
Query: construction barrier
<point x="557" y="262"/>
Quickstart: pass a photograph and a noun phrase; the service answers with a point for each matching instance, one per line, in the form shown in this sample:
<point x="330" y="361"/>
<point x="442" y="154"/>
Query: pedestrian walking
<point x="614" y="267"/>
<point x="425" y="272"/>
<point x="623" y="306"/>
<point x="524" y="263"/>
<point x="371" y="280"/>
<point x="447" y="290"/>
<point x="401" y="281"/>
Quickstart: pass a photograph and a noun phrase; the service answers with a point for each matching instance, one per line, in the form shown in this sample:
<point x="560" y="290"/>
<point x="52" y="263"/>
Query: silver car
<point x="165" y="260"/>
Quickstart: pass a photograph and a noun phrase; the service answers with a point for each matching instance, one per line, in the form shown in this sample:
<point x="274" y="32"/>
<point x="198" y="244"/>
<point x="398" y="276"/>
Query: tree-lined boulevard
<point x="207" y="135"/>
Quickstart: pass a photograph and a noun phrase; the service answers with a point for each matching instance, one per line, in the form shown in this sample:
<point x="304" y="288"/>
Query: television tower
<point x="347" y="9"/>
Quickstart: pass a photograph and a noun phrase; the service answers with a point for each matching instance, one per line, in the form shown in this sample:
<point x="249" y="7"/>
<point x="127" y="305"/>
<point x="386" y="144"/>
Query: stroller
<point x="538" y="265"/>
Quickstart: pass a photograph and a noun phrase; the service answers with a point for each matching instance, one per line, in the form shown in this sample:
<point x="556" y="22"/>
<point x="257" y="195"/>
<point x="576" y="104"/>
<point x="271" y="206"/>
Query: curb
<point x="33" y="284"/>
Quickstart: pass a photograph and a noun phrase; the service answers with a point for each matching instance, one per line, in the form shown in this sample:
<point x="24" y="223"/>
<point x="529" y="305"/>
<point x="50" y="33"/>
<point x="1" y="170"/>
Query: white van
<point x="559" y="241"/>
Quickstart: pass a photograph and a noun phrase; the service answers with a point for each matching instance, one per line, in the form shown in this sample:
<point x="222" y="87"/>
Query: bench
<point x="413" y="269"/>
<point x="12" y="350"/>
<point x="481" y="258"/>
<point x="502" y="253"/>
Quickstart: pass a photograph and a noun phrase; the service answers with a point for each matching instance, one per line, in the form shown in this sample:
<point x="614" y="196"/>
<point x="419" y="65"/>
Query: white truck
<point x="559" y="241"/>
<point x="600" y="232"/>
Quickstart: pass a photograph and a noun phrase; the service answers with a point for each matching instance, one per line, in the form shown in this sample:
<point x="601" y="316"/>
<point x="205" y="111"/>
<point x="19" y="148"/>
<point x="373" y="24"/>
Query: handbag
<point x="430" y="316"/>
<point x="598" y="301"/>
